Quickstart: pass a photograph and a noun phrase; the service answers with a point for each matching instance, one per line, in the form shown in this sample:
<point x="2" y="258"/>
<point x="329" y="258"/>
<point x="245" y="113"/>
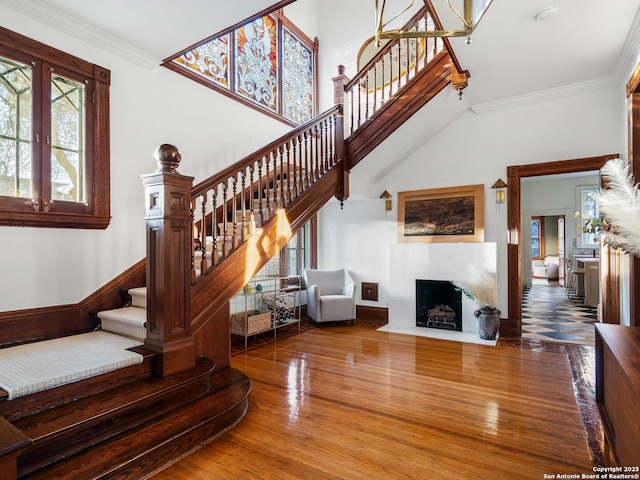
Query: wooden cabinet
<point x="588" y="279"/>
<point x="618" y="389"/>
<point x="592" y="282"/>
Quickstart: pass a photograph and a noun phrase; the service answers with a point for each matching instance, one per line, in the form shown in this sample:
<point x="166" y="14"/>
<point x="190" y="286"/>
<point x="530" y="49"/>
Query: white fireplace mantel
<point x="434" y="261"/>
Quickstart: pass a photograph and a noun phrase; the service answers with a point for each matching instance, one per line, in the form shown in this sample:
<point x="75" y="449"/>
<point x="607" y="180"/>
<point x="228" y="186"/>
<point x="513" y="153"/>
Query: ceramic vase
<point x="488" y="322"/>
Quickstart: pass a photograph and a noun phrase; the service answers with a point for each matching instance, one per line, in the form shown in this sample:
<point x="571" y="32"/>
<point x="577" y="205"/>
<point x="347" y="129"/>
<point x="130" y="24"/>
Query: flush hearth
<point x="438" y="305"/>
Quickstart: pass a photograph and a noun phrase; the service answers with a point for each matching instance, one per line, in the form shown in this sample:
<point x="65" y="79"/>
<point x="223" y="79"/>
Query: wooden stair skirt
<point x="130" y="430"/>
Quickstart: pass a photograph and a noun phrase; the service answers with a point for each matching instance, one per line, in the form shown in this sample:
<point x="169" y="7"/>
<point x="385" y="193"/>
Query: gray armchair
<point x="330" y="296"/>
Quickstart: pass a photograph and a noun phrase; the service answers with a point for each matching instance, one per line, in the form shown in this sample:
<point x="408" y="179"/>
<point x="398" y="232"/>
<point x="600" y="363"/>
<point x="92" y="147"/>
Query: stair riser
<point x="138" y="297"/>
<point x="143" y="451"/>
<point x="78" y="437"/>
<point x="139" y="301"/>
<point x="165" y="453"/>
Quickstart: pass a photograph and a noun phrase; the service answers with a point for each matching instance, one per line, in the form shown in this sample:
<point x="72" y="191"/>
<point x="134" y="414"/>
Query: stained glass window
<point x="257" y="62"/>
<point x="297" y="79"/>
<point x="211" y="60"/>
<point x="262" y="62"/>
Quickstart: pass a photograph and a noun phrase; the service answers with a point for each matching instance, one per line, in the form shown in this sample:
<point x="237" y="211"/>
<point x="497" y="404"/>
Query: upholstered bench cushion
<point x="31" y="368"/>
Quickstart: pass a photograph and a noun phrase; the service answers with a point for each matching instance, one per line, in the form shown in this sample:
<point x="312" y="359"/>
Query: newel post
<point x="339" y="83"/>
<point x="169" y="246"/>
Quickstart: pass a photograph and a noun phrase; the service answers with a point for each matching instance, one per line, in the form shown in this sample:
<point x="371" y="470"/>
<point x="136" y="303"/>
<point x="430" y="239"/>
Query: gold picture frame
<point x="444" y="215"/>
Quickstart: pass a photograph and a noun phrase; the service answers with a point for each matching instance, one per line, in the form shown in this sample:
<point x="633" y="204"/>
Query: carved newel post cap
<point x="168" y="158"/>
<point x="340" y="69"/>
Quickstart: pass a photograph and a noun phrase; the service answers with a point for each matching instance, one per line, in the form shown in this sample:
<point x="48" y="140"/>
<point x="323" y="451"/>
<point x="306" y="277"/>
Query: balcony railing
<point x="385" y="75"/>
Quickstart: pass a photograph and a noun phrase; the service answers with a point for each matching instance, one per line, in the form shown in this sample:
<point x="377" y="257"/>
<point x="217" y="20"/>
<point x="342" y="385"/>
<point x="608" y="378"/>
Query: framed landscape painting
<point x="454" y="214"/>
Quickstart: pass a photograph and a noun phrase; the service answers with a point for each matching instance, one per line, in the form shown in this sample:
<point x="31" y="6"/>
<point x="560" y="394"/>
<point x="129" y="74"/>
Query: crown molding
<point x="74" y="27"/>
<point x="630" y="52"/>
<point x="546" y="95"/>
<point x="627" y="62"/>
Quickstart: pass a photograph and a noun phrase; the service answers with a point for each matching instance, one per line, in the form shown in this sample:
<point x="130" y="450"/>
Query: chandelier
<point x="472" y="13"/>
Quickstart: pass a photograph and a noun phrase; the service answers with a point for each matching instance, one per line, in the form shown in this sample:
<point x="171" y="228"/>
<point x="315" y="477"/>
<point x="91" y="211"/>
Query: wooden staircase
<point x="135" y="421"/>
<point x="127" y="423"/>
<point x="139" y="431"/>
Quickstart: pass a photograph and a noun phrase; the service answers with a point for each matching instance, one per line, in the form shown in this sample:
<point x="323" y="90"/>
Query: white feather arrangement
<point x="619" y="204"/>
<point x="479" y="286"/>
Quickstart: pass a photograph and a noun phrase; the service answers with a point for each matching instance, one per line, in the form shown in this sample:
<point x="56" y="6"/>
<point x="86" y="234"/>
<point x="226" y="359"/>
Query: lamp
<point x="499" y="186"/>
<point x="472" y="13"/>
<point x="387" y="201"/>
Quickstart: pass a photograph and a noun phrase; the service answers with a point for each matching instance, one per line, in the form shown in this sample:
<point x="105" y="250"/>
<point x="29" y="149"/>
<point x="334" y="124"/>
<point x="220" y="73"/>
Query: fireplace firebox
<point x="438" y="305"/>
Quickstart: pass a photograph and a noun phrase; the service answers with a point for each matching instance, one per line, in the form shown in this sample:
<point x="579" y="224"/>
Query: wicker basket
<point x="248" y="323"/>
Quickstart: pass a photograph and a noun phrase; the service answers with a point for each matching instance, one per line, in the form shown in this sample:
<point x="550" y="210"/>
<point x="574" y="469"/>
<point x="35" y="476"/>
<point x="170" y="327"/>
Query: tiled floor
<point x="547" y="314"/>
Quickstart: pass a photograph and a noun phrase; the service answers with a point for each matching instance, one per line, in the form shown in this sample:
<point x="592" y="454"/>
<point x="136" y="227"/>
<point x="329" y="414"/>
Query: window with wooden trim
<point x="54" y="137"/>
<point x="588" y="226"/>
<point x="537" y="238"/>
<point x="295" y="255"/>
<point x="267" y="63"/>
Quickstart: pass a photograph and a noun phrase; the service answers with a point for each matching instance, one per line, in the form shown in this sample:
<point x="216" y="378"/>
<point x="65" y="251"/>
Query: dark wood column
<point x="339" y="83"/>
<point x="633" y="110"/>
<point x="169" y="240"/>
<point x="512" y="327"/>
<point x="12" y="443"/>
<point x="343" y="192"/>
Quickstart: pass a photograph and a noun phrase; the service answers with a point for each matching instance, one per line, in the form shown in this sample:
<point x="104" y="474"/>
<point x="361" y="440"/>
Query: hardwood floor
<point x="342" y="402"/>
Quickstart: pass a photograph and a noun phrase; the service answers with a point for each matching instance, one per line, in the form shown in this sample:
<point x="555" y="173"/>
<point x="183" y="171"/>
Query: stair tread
<point x="138" y="291"/>
<point x="70" y="415"/>
<point x="117" y="453"/>
<point x="131" y="315"/>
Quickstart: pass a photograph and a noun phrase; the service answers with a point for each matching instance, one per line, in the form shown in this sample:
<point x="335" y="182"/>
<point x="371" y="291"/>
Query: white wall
<point x="340" y="40"/>
<point x="42" y="266"/>
<point x="473" y="149"/>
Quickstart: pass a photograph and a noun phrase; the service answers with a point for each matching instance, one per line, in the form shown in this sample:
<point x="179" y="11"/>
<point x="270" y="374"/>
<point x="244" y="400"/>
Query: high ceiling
<point x="511" y="54"/>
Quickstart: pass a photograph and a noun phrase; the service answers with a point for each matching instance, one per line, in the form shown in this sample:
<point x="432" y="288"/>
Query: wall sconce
<point x="500" y="194"/>
<point x="387" y="201"/>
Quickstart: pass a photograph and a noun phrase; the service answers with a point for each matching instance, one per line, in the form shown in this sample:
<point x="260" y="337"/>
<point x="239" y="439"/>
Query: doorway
<point x="513" y="325"/>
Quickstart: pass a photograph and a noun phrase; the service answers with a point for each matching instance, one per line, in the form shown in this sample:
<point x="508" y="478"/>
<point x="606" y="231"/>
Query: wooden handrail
<point x="207" y="184"/>
<point x="229" y="206"/>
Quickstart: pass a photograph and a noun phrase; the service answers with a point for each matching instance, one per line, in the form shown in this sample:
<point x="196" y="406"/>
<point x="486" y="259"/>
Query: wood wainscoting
<point x="20" y="326"/>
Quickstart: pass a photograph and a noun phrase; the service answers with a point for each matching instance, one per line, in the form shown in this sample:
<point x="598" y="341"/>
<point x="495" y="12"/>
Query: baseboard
<point x="373" y="314"/>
